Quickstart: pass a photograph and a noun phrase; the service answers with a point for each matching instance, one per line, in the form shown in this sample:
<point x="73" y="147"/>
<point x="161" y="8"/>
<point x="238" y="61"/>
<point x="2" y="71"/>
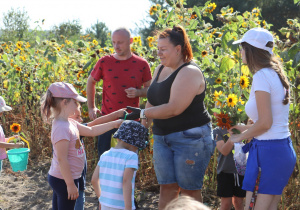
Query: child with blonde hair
<point x="59" y="103"/>
<point x="185" y="203"/>
<point x="3" y="140"/>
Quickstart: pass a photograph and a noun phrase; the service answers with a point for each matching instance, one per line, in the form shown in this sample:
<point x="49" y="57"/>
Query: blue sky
<point x="113" y="13"/>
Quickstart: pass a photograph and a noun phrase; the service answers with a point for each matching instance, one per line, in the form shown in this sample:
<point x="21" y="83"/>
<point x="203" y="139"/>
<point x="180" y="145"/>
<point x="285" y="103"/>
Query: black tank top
<point x="195" y="114"/>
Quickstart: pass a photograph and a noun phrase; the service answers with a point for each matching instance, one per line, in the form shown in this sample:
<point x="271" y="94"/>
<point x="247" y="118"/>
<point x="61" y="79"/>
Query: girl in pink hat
<point x="58" y="104"/>
<point x="3" y="140"/>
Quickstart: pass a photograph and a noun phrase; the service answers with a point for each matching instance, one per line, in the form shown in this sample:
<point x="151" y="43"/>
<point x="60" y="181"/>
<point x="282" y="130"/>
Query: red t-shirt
<point x="118" y="75"/>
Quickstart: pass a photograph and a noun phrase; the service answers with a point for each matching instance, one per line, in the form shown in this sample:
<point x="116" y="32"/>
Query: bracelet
<point x="142" y="114"/>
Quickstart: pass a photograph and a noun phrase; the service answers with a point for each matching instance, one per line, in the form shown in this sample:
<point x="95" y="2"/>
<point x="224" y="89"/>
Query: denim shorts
<point x="182" y="157"/>
<point x="276" y="160"/>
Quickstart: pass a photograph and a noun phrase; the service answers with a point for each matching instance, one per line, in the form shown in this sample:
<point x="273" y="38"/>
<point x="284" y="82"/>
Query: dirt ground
<point x="30" y="190"/>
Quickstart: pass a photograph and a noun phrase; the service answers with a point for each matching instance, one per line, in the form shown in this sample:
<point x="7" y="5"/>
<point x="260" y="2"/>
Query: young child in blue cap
<point x="114" y="177"/>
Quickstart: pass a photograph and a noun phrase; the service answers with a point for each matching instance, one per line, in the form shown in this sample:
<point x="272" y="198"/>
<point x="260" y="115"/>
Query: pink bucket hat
<point x="65" y="90"/>
<point x="3" y="106"/>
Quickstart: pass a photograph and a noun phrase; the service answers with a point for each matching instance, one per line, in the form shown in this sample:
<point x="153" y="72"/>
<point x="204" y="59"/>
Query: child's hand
<point x="121" y="113"/>
<point x="241" y="128"/>
<point x="118" y="123"/>
<point x="18" y="145"/>
<point x="234" y="138"/>
<point x="72" y="192"/>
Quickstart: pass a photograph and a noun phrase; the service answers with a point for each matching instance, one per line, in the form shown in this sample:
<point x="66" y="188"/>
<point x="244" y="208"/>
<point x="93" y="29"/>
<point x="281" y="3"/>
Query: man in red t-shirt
<point x="126" y="77"/>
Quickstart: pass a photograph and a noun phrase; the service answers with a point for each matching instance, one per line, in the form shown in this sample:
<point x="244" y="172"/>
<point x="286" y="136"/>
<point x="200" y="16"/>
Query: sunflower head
<point x="232" y="100"/>
<point x="15" y="127"/>
<point x="244" y="82"/>
<point x="218" y="80"/>
<point x="223" y="120"/>
<point x="204" y="53"/>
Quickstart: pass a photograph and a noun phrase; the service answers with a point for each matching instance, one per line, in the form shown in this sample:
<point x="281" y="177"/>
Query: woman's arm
<point x="97" y="130"/>
<point x="264" y="122"/>
<point x="96" y="182"/>
<point x="188" y="83"/>
<point x="147" y="122"/>
<point x="127" y="187"/>
<point x="62" y="148"/>
<point x="107" y="118"/>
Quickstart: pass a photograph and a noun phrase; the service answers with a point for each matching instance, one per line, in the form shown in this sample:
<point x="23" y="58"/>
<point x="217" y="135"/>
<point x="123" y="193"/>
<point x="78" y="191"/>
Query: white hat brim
<point x="5" y="109"/>
<point x="237" y="42"/>
<point x="80" y="99"/>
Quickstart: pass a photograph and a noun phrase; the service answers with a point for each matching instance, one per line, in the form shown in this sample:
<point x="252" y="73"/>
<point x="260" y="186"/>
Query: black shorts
<point x="228" y="187"/>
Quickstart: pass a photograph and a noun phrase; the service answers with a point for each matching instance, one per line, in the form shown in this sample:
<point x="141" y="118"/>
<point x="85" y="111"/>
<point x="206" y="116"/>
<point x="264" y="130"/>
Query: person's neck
<point x="124" y="57"/>
<point x="176" y="65"/>
<point x="62" y="117"/>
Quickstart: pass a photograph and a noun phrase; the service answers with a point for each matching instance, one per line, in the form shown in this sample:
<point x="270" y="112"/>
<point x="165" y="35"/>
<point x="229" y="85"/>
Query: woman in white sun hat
<point x="3" y="140"/>
<point x="271" y="148"/>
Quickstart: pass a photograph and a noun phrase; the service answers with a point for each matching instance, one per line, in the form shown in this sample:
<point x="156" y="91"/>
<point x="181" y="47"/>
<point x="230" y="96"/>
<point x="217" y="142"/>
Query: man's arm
<point x="133" y="92"/>
<point x="90" y="92"/>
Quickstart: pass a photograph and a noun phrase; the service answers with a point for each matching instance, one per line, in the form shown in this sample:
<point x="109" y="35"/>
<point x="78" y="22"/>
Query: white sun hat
<point x="3" y="106"/>
<point x="257" y="37"/>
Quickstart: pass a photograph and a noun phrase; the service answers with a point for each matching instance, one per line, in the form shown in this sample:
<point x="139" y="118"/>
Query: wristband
<point x="142" y="114"/>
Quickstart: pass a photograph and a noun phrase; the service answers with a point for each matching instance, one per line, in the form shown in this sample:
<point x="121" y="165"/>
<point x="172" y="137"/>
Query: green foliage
<point x="70" y="29"/>
<point x="99" y="30"/>
<point x="16" y="25"/>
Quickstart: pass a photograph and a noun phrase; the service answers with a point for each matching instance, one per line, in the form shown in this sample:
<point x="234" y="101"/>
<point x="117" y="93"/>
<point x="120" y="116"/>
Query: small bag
<point x="240" y="158"/>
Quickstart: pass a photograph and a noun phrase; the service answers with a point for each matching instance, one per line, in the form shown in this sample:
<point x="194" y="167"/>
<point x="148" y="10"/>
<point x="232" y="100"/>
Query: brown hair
<point x="178" y="36"/>
<point x="257" y="59"/>
<point x="50" y="104"/>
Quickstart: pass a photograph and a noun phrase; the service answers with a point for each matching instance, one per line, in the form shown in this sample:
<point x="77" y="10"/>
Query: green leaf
<point x="226" y="64"/>
<point x="87" y="65"/>
<point x="37" y="40"/>
<point x="242" y="107"/>
<point x="198" y="14"/>
<point x="296" y="59"/>
<point x="210" y="16"/>
<point x="169" y="16"/>
<point x="46" y="51"/>
<point x="216" y="110"/>
<point x="5" y="58"/>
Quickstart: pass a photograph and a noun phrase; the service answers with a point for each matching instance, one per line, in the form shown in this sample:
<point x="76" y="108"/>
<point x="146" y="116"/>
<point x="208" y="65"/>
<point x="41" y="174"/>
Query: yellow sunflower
<point x="232" y="100"/>
<point x="244" y="24"/>
<point x="216" y="97"/>
<point x="135" y="39"/>
<point x="210" y="7"/>
<point x="95" y="42"/>
<point x="241" y="101"/>
<point x="193" y="15"/>
<point x="245" y="70"/>
<point x="244" y="82"/>
<point x="150" y="39"/>
<point x="18" y="69"/>
<point x="218" y="80"/>
<point x="204" y="53"/>
<point x="15" y="127"/>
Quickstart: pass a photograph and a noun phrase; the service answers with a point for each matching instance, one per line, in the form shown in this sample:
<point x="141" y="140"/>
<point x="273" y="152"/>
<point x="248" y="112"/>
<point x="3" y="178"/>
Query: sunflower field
<point x="28" y="68"/>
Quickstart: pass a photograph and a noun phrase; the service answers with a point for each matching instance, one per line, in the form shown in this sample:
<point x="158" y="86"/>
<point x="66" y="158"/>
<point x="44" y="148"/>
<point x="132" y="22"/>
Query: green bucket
<point x="18" y="158"/>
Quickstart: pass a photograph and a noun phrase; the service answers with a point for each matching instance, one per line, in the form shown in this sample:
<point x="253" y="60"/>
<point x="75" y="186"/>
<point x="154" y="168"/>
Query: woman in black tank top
<point x="182" y="131"/>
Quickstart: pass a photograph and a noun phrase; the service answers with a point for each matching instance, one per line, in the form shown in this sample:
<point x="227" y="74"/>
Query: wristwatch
<point x="142" y="114"/>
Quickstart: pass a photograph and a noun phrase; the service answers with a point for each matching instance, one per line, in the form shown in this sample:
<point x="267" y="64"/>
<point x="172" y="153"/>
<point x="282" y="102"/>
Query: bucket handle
<point x="11" y="138"/>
